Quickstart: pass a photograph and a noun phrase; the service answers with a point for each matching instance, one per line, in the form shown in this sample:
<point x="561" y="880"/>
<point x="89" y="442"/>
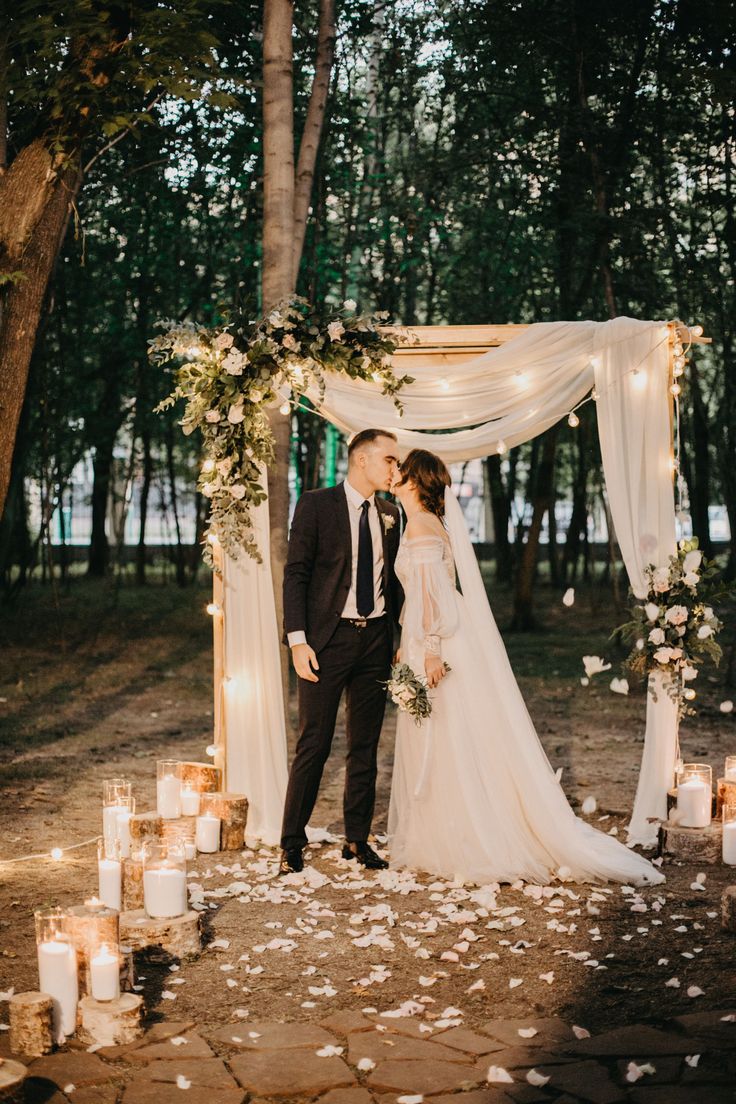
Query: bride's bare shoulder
<point x="424" y="525"/>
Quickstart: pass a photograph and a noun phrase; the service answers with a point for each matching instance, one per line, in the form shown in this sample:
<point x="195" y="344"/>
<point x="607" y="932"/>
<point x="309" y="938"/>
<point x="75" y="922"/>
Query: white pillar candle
<point x="207" y="836"/>
<point x="168" y="797"/>
<point x="165" y="891"/>
<point x="110" y="815"/>
<point x="105" y="971"/>
<point x="123" y="832"/>
<point x="730" y="774"/>
<point x="189" y="801"/>
<point x="190" y="849"/>
<point x="110" y="882"/>
<point x="57" y="976"/>
<point x="694" y="799"/>
<point x="729" y="842"/>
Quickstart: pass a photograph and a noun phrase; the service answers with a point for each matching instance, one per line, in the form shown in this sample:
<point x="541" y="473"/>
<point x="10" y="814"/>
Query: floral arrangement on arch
<point x="674" y="630"/>
<point x="231" y="375"/>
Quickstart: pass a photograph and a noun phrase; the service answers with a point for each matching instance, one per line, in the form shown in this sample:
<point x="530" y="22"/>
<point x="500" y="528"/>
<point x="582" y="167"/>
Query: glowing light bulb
<point x="211" y="750"/>
<point x="697" y="331"/>
<point x="501" y="448"/>
<point x="284" y="408"/>
<point x="212" y="538"/>
<point x="595" y="361"/>
<point x="677" y="371"/>
<point x="673" y="464"/>
<point x="193" y="352"/>
<point x="213" y="609"/>
<point x="677" y="349"/>
<point x="679" y="362"/>
<point x="56" y="853"/>
<point x="573" y="419"/>
<point x="445" y="384"/>
<point x="689" y="693"/>
<point x="594" y="395"/>
<point x="675" y="389"/>
<point x="522" y="379"/>
<point x="376" y="376"/>
<point x="639" y="379"/>
<point x="208" y="466"/>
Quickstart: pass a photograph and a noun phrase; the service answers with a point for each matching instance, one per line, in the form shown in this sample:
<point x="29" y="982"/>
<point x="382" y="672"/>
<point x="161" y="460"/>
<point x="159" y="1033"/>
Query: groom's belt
<point x="361" y="622"/>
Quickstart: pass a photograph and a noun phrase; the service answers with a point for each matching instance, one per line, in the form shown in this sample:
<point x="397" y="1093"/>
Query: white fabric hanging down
<point x="255" y="729"/>
<point x="507" y="395"/>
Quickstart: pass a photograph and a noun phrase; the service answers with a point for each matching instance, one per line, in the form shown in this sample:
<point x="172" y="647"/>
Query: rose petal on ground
<point x="535" y="1078"/>
<point x="580" y="1032"/>
<point x="528" y="1032"/>
<point x="183" y="1082"/>
<point x="692" y="1060"/>
<point x="497" y="1075"/>
<point x="366" y="1064"/>
<point x="695" y="991"/>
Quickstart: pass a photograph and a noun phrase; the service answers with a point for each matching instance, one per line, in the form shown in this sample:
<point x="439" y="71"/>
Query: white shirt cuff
<point x="298" y="637"/>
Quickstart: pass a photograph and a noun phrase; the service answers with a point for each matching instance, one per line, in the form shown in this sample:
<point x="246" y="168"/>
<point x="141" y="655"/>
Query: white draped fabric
<point x="255" y="730"/>
<point x="499" y="399"/>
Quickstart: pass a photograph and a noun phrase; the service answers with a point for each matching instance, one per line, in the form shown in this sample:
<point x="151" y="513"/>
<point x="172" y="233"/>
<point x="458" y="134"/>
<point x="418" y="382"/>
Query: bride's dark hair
<point x="430" y="477"/>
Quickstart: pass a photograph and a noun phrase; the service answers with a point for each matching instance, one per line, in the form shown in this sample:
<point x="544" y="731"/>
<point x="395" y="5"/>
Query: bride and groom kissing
<point x="473" y="795"/>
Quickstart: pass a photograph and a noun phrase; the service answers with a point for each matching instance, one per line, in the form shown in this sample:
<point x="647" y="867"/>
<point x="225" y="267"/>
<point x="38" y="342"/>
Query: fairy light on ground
<point x="213" y="609"/>
<point x="56" y="854"/>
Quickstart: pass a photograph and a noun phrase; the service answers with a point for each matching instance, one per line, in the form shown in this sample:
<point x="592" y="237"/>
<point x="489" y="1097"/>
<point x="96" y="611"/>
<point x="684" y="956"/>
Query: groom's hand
<point x="305" y="662"/>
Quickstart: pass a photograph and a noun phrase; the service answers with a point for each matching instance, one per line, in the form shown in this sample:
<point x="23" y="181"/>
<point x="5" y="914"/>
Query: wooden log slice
<point x="12" y="1076"/>
<point x="728" y="908"/>
<point x="232" y="809"/>
<point x="725" y="793"/>
<point x="203" y="777"/>
<point x="691" y="845"/>
<point x="132" y="884"/>
<point x="111" y="1023"/>
<point x="88" y="927"/>
<point x="179" y="935"/>
<point x="31" y="1027"/>
<point x="144" y="826"/>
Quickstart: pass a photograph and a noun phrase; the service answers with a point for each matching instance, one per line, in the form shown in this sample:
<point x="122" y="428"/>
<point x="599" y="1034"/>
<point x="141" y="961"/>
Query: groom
<point x="341" y="600"/>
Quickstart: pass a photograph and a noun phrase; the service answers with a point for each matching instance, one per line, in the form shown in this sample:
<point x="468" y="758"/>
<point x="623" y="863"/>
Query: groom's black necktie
<point x="364" y="594"/>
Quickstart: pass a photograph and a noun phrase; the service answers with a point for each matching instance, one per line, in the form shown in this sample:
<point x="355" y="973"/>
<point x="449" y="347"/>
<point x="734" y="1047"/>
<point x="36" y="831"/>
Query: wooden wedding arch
<point x="448" y="346"/>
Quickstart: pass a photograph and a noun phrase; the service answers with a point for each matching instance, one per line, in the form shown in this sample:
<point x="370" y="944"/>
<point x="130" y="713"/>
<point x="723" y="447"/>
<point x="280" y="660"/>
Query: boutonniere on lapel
<point x="388" y="521"/>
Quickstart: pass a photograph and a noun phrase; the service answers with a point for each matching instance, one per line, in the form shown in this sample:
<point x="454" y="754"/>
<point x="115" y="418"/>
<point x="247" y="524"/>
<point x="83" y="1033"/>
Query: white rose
<point x="350" y="304"/>
<point x="212" y="416"/>
<point x="692" y="561"/>
<point x="335" y="330"/>
<point x="708" y="613"/>
<point x="661" y="580"/>
<point x="208" y="489"/>
<point x="224" y="466"/>
<point x="275" y="319"/>
<point x="656" y="636"/>
<point x="233" y="363"/>
<point x="704" y="632"/>
<point x="676" y="653"/>
<point x="237" y="490"/>
<point x="691" y="579"/>
<point x="235" y="414"/>
<point x="689" y="672"/>
<point x="663" y="655"/>
<point x="223" y="341"/>
<point x="676" y="615"/>
<point x="652" y="611"/>
<point x="594" y="665"/>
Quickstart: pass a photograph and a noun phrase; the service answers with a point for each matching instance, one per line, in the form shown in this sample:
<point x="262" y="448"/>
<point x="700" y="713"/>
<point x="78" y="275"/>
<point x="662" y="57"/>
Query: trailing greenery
<point x="230" y="375"/>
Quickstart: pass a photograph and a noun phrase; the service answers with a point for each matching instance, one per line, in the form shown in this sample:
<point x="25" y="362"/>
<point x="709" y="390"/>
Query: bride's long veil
<point x="512" y="737"/>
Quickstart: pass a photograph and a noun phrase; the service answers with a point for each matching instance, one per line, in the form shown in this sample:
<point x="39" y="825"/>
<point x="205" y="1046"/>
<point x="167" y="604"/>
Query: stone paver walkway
<point x="352" y="1058"/>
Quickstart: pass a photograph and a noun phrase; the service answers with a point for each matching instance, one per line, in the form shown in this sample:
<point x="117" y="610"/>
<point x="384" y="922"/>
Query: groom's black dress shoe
<point x="292" y="861"/>
<point x="365" y="855"/>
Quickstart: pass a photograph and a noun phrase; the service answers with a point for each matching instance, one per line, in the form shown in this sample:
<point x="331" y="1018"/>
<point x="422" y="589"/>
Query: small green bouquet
<point x="409" y="691"/>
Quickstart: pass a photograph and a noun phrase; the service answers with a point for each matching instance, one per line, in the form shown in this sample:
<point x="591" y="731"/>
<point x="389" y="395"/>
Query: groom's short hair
<point x="367" y="437"/>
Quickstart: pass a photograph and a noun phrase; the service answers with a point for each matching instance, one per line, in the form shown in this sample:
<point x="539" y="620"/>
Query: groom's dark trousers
<point x="354" y="657"/>
<point x="355" y="660"/>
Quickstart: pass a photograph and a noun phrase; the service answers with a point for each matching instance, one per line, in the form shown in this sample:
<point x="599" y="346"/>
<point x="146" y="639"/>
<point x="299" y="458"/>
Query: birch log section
<point x="725" y="793"/>
<point x="12" y="1076"/>
<point x="232" y="809"/>
<point x="132" y="884"/>
<point x="111" y="1023"/>
<point x="31" y="1027"/>
<point x="202" y="777"/>
<point x="691" y="845"/>
<point x="144" y="826"/>
<point x="178" y="935"/>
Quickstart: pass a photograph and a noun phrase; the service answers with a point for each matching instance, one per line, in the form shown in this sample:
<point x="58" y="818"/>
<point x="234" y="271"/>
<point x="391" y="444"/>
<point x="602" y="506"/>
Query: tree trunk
<point x="181" y="575"/>
<point x="99" y="546"/>
<point x="36" y="197"/>
<point x="523" y="618"/>
<point x="140" y="552"/>
<point x="501" y="511"/>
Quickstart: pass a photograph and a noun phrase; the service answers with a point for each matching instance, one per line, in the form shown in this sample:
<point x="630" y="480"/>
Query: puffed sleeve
<point x="430" y="612"/>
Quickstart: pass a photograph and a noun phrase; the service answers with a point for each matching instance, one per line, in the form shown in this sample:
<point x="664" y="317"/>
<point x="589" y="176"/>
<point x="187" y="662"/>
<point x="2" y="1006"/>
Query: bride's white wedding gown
<point x="474" y="796"/>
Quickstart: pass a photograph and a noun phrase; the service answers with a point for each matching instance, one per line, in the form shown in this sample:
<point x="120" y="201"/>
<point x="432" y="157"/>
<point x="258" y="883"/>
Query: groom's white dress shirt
<point x="355" y="505"/>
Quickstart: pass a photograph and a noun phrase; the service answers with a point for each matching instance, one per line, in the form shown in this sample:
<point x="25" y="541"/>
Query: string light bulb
<point x="211" y="750"/>
<point x="675" y="389"/>
<point x="594" y="395"/>
<point x="208" y="466"/>
<point x="193" y="352"/>
<point x="284" y="408"/>
<point x="212" y="539"/>
<point x="572" y="420"/>
<point x="639" y="379"/>
<point x="697" y="331"/>
<point x="56" y="854"/>
<point x="677" y="349"/>
<point x="677" y="370"/>
<point x="689" y="693"/>
<point x="445" y="384"/>
<point x="679" y="362"/>
<point x="521" y="378"/>
<point x="501" y="448"/>
<point x="213" y="609"/>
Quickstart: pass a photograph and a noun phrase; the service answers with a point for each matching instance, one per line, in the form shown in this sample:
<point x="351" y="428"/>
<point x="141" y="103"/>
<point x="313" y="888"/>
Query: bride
<point x="473" y="794"/>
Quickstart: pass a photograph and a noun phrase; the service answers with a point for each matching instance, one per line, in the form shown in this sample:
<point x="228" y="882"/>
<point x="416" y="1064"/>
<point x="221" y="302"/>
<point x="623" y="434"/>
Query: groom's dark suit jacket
<point x="319" y="562"/>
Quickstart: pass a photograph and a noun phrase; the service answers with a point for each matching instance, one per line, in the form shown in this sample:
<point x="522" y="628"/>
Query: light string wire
<point x="55" y="854"/>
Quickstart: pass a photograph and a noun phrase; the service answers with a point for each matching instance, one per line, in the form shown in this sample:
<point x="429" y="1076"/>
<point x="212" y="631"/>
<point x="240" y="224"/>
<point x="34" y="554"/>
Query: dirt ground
<point x="101" y="681"/>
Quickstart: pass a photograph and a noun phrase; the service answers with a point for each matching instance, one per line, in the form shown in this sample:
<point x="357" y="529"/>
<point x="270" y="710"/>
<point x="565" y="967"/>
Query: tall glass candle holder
<point x="730" y="772"/>
<point x="189" y="799"/>
<point x="116" y="795"/>
<point x="57" y="969"/>
<point x="694" y="795"/>
<point x="164" y="878"/>
<point x="728" y="813"/>
<point x="104" y="969"/>
<point x="123" y="827"/>
<point x="168" y="788"/>
<point x="183" y="833"/>
<point x="109" y="871"/>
